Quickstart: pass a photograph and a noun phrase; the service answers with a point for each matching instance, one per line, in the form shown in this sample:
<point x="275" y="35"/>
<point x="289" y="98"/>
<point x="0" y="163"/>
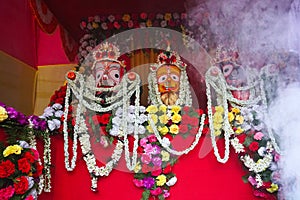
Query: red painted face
<point x="168" y="78"/>
<point x="107" y="73"/>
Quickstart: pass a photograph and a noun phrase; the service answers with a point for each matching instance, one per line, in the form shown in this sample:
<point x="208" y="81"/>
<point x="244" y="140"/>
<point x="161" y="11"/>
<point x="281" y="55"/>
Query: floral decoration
<point x="20" y="170"/>
<point x="98" y="28"/>
<point x="153" y="171"/>
<point x="255" y="150"/>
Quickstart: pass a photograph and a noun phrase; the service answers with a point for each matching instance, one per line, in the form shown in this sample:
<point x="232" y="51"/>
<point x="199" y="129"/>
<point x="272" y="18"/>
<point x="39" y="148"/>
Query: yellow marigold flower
<point x="161" y="180"/>
<point x="12" y="149"/>
<point x="219" y="109"/>
<point x="152" y="109"/>
<point x="95" y="25"/>
<point x="137" y="167"/>
<point x="239" y="119"/>
<point x="163" y="108"/>
<point x="163" y="119"/>
<point x="154" y="118"/>
<point x="230" y="116"/>
<point x="126" y="18"/>
<point x="165" y="156"/>
<point x="235" y="110"/>
<point x="175" y="109"/>
<point x="168" y="16"/>
<point x="273" y="188"/>
<point x="218" y="118"/>
<point x="3" y="114"/>
<point x="176" y="118"/>
<point x="163" y="130"/>
<point x="217" y="132"/>
<point x="174" y="129"/>
<point x="149" y="128"/>
<point x="217" y="126"/>
<point x="239" y="130"/>
<point x="148" y="23"/>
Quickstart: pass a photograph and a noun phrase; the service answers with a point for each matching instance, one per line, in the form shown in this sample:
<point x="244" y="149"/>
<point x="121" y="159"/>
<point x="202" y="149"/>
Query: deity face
<point x="168" y="78"/>
<point x="234" y="74"/>
<point x="107" y="73"/>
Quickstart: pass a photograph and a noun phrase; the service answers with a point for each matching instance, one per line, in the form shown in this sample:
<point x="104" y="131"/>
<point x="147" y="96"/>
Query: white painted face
<point x="107" y="73"/>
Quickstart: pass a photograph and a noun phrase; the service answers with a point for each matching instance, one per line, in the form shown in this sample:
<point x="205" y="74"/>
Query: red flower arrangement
<point x="20" y="169"/>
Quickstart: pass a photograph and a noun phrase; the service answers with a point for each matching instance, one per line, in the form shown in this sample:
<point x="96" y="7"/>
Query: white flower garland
<point x="166" y="144"/>
<point x="262" y="164"/>
<point x="85" y="93"/>
<point x="215" y="79"/>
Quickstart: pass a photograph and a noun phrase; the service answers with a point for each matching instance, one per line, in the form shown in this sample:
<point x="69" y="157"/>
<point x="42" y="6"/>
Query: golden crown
<point x="107" y="51"/>
<point x="225" y="55"/>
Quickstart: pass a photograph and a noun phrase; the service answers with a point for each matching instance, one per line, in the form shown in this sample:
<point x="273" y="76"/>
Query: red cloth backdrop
<point x="198" y="178"/>
<point x="17" y="35"/>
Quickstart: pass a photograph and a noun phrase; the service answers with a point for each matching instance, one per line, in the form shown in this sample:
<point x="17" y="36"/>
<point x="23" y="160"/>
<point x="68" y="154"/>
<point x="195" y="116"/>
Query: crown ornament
<point x="168" y="58"/>
<point x="107" y="52"/>
<point x="225" y="55"/>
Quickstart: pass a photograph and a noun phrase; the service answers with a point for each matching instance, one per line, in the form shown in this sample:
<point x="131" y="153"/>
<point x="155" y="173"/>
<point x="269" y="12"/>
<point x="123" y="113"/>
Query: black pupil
<point x="117" y="75"/>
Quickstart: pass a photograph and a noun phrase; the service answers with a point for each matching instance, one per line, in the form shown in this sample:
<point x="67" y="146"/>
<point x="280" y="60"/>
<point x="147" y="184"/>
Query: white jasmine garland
<point x="85" y="93"/>
<point x="172" y="151"/>
<point x="216" y="81"/>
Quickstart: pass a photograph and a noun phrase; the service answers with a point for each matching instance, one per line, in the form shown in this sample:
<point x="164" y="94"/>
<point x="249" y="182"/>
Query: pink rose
<point x="258" y="136"/>
<point x="143" y="142"/>
<point x="252" y="180"/>
<point x="152" y="138"/>
<point x="138" y="183"/>
<point x="156" y="192"/>
<point x="146" y="158"/>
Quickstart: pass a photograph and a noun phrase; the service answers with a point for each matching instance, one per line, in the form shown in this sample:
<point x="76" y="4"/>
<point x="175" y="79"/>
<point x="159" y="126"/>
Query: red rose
<point x="242" y="138"/>
<point x="104" y="118"/>
<point x="21" y="185"/>
<point x="200" y="111"/>
<point x="206" y="121"/>
<point x="194" y="121"/>
<point x="29" y="156"/>
<point x="24" y="165"/>
<point x="183" y="128"/>
<point x="156" y="172"/>
<point x="30" y="197"/>
<point x="194" y="130"/>
<point x="7" y="168"/>
<point x="185" y="119"/>
<point x="186" y="109"/>
<point x="170" y="137"/>
<point x="143" y="15"/>
<point x="167" y="169"/>
<point x="205" y="130"/>
<point x="39" y="170"/>
<point x="254" y="146"/>
<point x="140" y="149"/>
<point x="146" y="168"/>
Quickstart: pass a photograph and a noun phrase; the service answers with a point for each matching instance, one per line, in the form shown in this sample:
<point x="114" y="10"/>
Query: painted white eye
<point x="227" y="69"/>
<point x="114" y="74"/>
<point x="162" y="79"/>
<point x="175" y="77"/>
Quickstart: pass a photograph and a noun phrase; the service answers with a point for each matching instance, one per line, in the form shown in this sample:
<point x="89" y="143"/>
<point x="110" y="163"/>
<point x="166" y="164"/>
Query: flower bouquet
<point x="255" y="150"/>
<point x="19" y="172"/>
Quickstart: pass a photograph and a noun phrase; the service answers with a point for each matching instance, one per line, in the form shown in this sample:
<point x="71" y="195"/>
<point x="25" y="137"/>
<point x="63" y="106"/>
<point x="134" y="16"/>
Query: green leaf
<point x="161" y="197"/>
<point x="245" y="178"/>
<point x="146" y="195"/>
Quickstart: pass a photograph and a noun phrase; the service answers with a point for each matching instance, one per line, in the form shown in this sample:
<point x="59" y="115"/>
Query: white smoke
<point x="261" y="29"/>
<point x="284" y="115"/>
